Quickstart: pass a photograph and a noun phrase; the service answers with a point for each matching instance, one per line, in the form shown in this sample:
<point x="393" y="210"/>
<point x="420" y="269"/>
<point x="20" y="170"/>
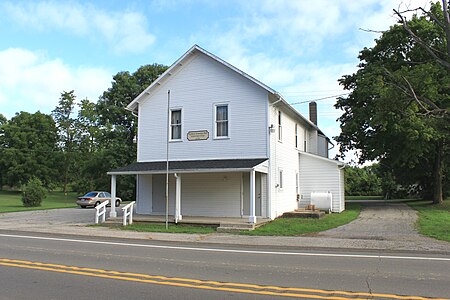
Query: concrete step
<point x="304" y="214"/>
<point x="235" y="227"/>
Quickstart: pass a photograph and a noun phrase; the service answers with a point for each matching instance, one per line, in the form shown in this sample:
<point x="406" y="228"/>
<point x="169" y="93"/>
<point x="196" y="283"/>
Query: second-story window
<point x="304" y="142"/>
<point x="221" y="121"/>
<point x="296" y="136"/>
<point x="175" y="124"/>
<point x="280" y="129"/>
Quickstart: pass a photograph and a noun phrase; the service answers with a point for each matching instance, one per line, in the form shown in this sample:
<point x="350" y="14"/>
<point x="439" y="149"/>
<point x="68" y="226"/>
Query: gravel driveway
<point x="51" y="217"/>
<point x="380" y="221"/>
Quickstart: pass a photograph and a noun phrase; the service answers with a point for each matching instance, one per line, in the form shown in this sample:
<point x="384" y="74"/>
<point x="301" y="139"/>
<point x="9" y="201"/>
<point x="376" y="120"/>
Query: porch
<point x="223" y="224"/>
<point x="233" y="191"/>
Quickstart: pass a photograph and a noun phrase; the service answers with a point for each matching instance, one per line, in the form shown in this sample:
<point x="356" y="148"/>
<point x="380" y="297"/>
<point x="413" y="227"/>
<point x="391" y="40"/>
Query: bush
<point x="33" y="193"/>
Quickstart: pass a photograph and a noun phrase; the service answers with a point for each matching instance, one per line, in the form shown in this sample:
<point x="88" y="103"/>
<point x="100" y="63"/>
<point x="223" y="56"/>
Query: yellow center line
<point x="194" y="283"/>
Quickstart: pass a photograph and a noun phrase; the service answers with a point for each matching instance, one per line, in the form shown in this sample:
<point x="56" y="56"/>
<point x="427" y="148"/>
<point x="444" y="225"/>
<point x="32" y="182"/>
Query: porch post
<point x="178" y="215"/>
<point x="252" y="217"/>
<point x="113" y="213"/>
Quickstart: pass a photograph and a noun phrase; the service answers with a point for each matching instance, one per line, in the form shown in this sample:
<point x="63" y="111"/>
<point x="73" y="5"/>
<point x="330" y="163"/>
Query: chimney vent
<point x="313" y="112"/>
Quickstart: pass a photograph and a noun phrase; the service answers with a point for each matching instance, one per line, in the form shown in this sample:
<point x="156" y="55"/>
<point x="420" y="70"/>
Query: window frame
<point x="296" y="136"/>
<point x="216" y="122"/>
<point x="280" y="178"/>
<point x="280" y="127"/>
<point x="305" y="146"/>
<point x="171" y="125"/>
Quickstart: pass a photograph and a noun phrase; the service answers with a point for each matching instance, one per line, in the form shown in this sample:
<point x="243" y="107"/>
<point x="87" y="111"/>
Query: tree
<point x="88" y="126"/>
<point x="125" y="87"/>
<point x="3" y="121"/>
<point x="33" y="193"/>
<point x="362" y="181"/>
<point x="396" y="109"/>
<point x="116" y="128"/>
<point x="29" y="149"/>
<point x="67" y="132"/>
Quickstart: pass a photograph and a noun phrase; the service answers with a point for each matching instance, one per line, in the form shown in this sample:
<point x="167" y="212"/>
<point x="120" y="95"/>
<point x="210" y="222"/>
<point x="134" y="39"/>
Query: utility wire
<point x="319" y="99"/>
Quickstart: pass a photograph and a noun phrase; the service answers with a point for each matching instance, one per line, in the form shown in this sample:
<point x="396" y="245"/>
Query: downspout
<point x="339" y="178"/>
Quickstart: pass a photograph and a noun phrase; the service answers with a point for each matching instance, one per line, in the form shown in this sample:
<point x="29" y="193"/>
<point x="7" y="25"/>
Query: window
<point x="221" y="120"/>
<point x="279" y="127"/>
<point x="296" y="136"/>
<point x="304" y="142"/>
<point x="175" y="124"/>
<point x="280" y="179"/>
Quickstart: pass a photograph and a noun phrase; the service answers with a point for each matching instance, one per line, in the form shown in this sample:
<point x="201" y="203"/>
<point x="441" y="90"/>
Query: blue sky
<point x="299" y="48"/>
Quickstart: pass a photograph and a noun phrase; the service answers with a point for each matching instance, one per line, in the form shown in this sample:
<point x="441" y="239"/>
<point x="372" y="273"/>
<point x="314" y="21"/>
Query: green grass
<point x="11" y="201"/>
<point x="363" y="197"/>
<point x="173" y="228"/>
<point x="299" y="226"/>
<point x="434" y="220"/>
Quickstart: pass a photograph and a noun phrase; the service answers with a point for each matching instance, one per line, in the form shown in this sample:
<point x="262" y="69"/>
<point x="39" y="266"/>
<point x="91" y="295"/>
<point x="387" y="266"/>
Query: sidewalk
<point x="44" y="222"/>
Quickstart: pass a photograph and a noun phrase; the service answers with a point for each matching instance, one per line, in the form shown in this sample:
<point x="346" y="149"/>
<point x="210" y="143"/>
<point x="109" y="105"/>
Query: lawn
<point x="299" y="226"/>
<point x="173" y="228"/>
<point x="434" y="220"/>
<point x="11" y="201"/>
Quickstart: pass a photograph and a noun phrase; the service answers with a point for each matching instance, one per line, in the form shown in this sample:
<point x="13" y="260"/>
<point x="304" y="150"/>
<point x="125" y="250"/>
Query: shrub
<point x="33" y="193"/>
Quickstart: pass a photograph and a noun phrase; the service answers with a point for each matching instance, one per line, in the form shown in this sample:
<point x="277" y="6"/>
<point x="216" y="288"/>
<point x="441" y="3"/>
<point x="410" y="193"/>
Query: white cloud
<point x="30" y="80"/>
<point x="124" y="31"/>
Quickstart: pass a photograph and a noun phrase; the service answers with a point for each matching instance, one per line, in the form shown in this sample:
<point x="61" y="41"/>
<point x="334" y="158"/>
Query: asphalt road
<point x="40" y="266"/>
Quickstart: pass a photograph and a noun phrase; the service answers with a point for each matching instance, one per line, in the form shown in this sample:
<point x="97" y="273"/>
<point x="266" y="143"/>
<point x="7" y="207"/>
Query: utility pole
<point x="167" y="159"/>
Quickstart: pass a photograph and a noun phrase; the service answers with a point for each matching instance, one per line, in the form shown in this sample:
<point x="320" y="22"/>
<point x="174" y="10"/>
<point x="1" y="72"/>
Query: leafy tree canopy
<point x="396" y="111"/>
<point x="29" y="149"/>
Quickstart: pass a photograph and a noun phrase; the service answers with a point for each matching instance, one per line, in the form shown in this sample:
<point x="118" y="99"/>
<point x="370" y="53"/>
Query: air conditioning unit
<point x="322" y="200"/>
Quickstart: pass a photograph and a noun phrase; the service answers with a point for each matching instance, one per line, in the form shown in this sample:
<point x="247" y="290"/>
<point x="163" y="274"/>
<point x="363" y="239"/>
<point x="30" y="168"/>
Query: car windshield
<point x="90" y="194"/>
<point x="108" y="195"/>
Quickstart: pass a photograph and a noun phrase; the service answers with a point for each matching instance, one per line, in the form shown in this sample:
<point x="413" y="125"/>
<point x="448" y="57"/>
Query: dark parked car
<point x="95" y="198"/>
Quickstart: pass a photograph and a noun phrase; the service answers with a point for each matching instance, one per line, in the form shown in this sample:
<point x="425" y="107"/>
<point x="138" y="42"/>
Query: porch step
<point x="303" y="213"/>
<point x="235" y="227"/>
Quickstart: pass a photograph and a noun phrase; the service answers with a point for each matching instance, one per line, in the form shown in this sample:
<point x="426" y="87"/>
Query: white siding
<point x="195" y="88"/>
<point x="313" y="142"/>
<point x="318" y="175"/>
<point x="284" y="156"/>
<point x="212" y="194"/>
<point x="342" y="183"/>
<point x="322" y="146"/>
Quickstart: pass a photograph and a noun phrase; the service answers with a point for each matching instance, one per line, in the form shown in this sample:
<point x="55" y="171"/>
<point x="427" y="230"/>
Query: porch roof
<point x="189" y="166"/>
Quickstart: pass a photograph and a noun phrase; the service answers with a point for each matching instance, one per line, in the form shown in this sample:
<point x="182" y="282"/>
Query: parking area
<point x="51" y="217"/>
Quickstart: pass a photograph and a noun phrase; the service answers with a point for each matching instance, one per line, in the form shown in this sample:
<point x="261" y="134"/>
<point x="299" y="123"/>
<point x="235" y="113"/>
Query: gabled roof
<point x="179" y="62"/>
<point x="133" y="106"/>
<point x="189" y="166"/>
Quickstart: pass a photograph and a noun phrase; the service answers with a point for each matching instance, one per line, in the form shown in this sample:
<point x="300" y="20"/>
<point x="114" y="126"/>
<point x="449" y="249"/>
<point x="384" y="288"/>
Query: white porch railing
<point x="100" y="211"/>
<point x="128" y="213"/>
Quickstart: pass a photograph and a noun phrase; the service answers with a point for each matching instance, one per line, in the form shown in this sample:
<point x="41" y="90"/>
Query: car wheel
<point x="97" y="203"/>
<point x="82" y="206"/>
<point x="117" y="203"/>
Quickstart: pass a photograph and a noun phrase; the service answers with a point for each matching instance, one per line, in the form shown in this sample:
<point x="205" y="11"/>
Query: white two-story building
<point x="235" y="147"/>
